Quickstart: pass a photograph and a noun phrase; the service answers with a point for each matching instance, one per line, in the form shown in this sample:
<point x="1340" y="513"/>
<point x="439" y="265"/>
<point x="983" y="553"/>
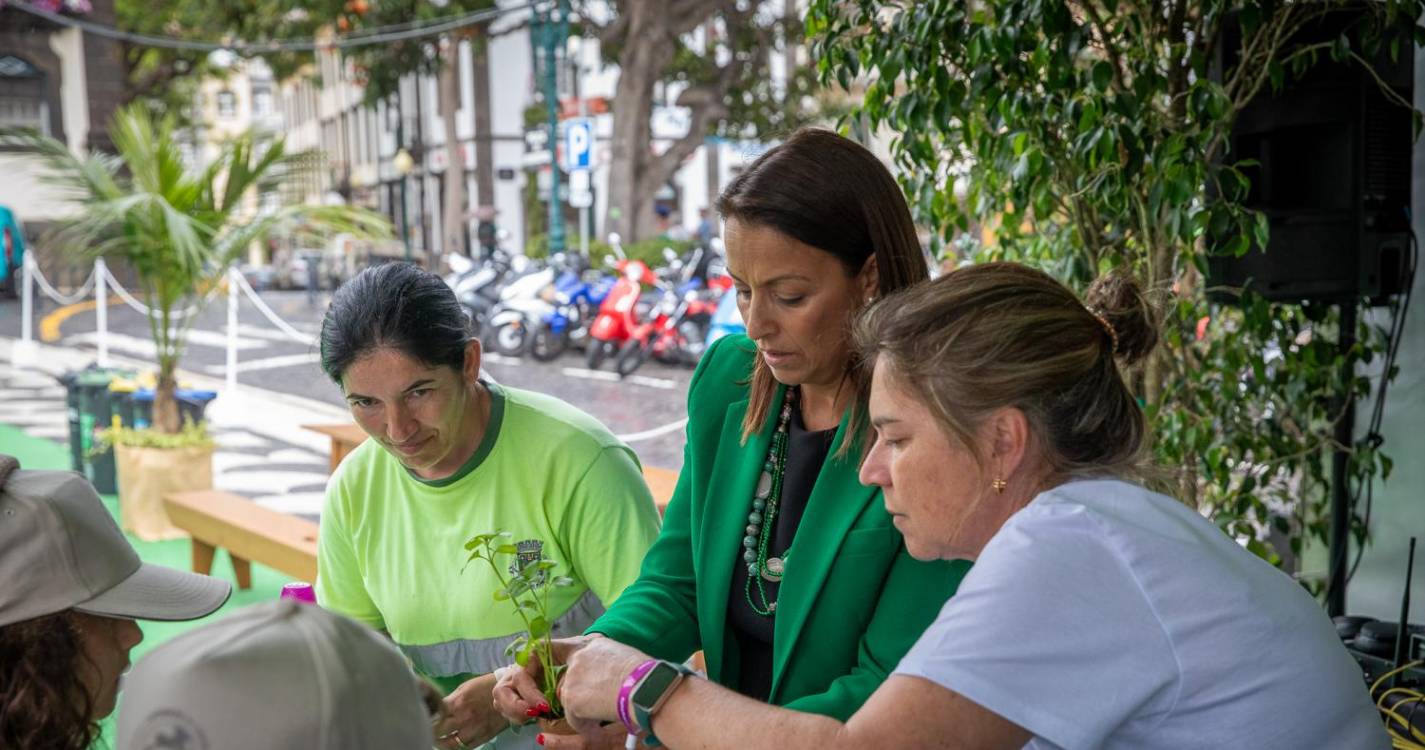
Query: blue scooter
<point x="576" y="296"/>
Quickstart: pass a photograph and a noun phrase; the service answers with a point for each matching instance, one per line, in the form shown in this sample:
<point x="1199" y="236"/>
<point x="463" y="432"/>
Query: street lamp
<point x="404" y="165"/>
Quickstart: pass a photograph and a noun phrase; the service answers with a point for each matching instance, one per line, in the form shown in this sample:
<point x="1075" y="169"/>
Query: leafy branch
<point x="527" y="588"/>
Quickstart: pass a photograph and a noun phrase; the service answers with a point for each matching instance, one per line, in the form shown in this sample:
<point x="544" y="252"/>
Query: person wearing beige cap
<point x="278" y="676"/>
<point x="72" y="588"/>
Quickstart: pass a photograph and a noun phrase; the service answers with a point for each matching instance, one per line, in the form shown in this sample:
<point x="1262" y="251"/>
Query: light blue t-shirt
<point x="1103" y="615"/>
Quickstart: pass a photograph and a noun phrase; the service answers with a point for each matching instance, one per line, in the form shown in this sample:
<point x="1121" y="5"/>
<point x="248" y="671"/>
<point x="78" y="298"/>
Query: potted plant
<point x="152" y="464"/>
<point x="525" y="583"/>
<point x="180" y="228"/>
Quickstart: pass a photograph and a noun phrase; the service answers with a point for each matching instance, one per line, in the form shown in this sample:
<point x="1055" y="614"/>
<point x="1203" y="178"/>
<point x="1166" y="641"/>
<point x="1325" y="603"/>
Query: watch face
<point x="655" y="684"/>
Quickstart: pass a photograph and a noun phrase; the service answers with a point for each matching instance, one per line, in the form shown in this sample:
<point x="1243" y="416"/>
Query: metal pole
<point x="400" y="144"/>
<point x="1340" y="464"/>
<point x="420" y="171"/>
<point x="584" y="229"/>
<point x="553" y="35"/>
<point x="233" y="279"/>
<point x="27" y="304"/>
<point x="101" y="298"/>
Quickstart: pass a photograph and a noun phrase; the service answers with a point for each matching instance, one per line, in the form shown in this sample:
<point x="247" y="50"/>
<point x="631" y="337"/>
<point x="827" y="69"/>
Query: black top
<point x="806" y="452"/>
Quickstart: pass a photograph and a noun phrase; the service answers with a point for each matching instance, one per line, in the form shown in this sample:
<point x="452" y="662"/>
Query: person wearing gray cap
<point x="278" y="676"/>
<point x="72" y="588"/>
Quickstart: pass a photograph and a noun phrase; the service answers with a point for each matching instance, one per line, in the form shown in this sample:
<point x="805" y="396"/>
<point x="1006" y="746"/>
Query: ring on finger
<point x="454" y="735"/>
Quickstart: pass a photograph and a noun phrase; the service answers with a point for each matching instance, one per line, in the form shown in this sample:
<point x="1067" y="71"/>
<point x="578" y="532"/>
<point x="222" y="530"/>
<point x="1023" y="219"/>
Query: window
<point x="22" y="95"/>
<point x="227" y="105"/>
<point x="23" y="112"/>
<point x="261" y="102"/>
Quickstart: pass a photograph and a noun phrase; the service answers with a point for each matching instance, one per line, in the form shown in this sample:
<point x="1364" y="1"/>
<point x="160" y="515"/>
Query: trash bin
<point x="90" y="410"/>
<point x="70" y="381"/>
<point x="192" y="405"/>
<point x="121" y="401"/>
<point x="96" y="413"/>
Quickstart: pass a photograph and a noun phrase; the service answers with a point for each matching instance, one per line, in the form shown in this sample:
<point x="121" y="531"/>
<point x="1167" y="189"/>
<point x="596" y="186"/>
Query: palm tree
<point x="180" y="229"/>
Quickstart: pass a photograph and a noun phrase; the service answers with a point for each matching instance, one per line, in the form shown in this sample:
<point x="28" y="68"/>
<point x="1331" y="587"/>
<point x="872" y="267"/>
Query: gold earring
<point x="999" y="485"/>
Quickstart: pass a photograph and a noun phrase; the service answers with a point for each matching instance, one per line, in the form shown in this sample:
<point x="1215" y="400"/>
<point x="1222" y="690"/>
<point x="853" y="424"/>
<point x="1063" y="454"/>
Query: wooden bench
<point x="661" y="483"/>
<point x="247" y="531"/>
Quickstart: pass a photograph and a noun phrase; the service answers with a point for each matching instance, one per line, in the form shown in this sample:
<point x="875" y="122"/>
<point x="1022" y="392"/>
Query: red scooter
<point x="677" y="333"/>
<point x="619" y="315"/>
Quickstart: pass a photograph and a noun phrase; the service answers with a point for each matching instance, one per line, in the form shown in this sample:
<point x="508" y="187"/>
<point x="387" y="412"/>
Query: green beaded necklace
<point x="762" y="519"/>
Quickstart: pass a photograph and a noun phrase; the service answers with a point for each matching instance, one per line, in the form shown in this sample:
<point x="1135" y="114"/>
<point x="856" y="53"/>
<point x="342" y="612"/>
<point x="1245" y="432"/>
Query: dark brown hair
<point x="1001" y="334"/>
<point x="828" y="192"/>
<point x="44" y="704"/>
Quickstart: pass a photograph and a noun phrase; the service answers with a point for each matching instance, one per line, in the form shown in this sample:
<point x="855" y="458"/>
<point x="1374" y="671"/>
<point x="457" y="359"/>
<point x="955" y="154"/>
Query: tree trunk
<point x="641" y="63"/>
<point x="453" y="231"/>
<point x="649" y="33"/>
<point x="165" y="401"/>
<point x="484" y="143"/>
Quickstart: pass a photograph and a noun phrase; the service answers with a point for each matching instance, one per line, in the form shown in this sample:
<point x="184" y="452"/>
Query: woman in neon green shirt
<point x="451" y="456"/>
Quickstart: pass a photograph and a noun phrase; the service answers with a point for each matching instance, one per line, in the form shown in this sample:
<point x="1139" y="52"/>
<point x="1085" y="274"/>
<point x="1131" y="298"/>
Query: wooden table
<point x="344" y="437"/>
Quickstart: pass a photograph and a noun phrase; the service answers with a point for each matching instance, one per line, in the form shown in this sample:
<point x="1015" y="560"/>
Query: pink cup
<point x="300" y="591"/>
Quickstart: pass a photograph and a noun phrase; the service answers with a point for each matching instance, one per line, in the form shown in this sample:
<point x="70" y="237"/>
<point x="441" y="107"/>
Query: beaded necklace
<point x="762" y="519"/>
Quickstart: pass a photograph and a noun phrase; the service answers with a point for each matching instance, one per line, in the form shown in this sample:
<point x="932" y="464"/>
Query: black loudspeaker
<point x="1333" y="153"/>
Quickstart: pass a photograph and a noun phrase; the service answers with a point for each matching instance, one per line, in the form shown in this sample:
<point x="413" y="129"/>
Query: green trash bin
<point x="70" y="381"/>
<point x="96" y="413"/>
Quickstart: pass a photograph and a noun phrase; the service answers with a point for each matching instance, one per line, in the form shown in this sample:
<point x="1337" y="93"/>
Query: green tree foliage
<point x="155" y="71"/>
<point x="1086" y="134"/>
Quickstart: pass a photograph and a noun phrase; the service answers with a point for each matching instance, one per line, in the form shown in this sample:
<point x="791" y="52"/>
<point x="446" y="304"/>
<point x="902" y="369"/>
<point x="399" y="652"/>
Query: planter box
<point x="146" y="475"/>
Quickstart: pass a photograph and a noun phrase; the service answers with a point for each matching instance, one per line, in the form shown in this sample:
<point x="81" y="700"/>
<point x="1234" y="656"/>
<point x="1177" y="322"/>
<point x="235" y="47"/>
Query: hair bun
<point x="1117" y="297"/>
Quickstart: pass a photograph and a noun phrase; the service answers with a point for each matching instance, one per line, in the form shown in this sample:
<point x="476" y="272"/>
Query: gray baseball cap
<point x="60" y="549"/>
<point x="280" y="676"/>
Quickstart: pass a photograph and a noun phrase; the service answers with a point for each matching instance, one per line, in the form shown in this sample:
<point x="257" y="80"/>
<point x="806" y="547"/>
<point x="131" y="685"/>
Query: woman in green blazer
<point x="774" y="559"/>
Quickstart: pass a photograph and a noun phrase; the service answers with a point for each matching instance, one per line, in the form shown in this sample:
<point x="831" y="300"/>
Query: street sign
<point x="579" y="143"/>
<point x="580" y="195"/>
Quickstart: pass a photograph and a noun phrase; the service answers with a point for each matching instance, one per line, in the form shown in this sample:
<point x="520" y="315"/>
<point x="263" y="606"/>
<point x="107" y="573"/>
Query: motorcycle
<point x="575" y="299"/>
<point x="677" y="334"/>
<point x="727" y="319"/>
<point x="477" y="285"/>
<point x="620" y="313"/>
<point x="521" y="305"/>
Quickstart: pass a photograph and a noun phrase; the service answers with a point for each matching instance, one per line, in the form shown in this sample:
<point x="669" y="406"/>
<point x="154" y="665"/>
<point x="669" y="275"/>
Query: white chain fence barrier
<point x="101" y="280"/>
<point x="276" y="320"/>
<point x="145" y="310"/>
<point x="55" y="294"/>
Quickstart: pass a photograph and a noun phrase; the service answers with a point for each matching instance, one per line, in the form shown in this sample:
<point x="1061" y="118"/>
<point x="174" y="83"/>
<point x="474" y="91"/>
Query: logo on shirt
<point x="528" y="552"/>
<point x="170" y="730"/>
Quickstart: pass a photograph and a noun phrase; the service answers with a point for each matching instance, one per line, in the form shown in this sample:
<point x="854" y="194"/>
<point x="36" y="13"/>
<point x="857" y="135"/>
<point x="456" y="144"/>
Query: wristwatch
<point x="653" y="690"/>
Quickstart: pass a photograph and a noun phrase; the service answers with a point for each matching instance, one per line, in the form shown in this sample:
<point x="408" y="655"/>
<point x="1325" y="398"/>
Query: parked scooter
<point x="576" y="297"/>
<point x="727" y="319"/>
<point x="619" y="314"/>
<point x="522" y="305"/>
<point x="677" y="333"/>
<point x="477" y="285"/>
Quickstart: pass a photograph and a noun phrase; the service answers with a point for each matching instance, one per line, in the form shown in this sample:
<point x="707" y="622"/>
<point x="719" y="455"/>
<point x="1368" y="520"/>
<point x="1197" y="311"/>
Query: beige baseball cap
<point x="279" y="676"/>
<point x="60" y="549"/>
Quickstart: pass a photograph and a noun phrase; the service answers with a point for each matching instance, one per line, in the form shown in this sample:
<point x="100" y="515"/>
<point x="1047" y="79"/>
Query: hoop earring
<point x="999" y="485"/>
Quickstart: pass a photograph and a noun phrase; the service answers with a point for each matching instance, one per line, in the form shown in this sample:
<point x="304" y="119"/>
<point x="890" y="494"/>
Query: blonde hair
<point x="1001" y="335"/>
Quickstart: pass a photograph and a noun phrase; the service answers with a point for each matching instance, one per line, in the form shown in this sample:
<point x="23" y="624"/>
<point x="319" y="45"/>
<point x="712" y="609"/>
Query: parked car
<point x="12" y="252"/>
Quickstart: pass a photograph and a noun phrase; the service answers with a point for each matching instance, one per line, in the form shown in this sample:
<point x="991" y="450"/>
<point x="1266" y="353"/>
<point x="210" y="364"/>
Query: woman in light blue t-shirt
<point x="1098" y="614"/>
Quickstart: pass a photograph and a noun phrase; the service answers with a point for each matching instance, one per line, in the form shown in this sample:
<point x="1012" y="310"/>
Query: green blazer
<point x="852" y="601"/>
